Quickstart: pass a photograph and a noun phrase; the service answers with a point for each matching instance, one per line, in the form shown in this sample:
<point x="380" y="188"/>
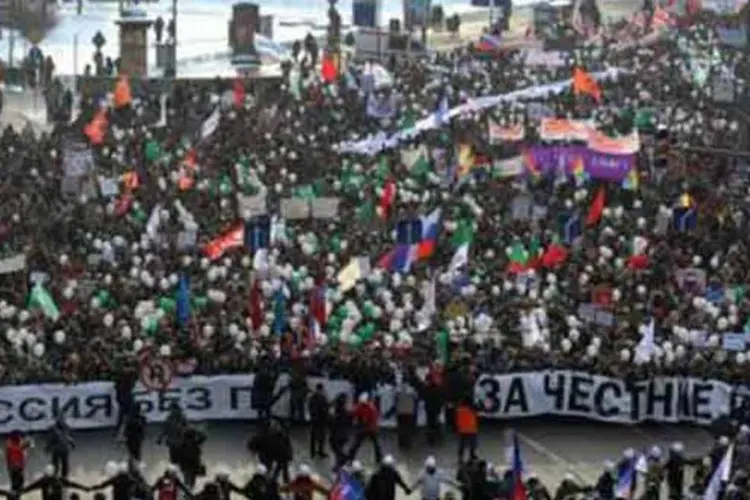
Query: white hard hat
<point x="388" y="460"/>
<point x="430" y="462"/>
<point x="304" y="470"/>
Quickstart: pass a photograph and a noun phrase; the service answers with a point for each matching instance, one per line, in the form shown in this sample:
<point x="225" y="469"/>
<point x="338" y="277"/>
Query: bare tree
<point x="34" y="19"/>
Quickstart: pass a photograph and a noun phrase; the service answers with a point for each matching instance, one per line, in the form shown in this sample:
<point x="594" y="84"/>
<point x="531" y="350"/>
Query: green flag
<point x="153" y="150"/>
<point x="42" y="299"/>
<point x="518" y="253"/>
<point x="464" y="233"/>
<point x="442" y="345"/>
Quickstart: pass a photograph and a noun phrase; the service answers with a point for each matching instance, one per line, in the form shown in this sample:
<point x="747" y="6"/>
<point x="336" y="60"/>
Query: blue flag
<point x="279" y="312"/>
<point x="258" y="233"/>
<point x="347" y="488"/>
<point x="685" y="219"/>
<point x="183" y="301"/>
<point x="572" y="229"/>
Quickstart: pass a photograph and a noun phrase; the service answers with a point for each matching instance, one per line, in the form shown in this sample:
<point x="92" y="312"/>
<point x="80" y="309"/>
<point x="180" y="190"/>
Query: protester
<point x="15" y="459"/>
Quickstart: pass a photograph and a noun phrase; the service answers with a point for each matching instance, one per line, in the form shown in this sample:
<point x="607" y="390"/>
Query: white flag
<point x="645" y="348"/>
<point x="211" y="124"/>
<point x="721" y="474"/>
<point x="460" y="258"/>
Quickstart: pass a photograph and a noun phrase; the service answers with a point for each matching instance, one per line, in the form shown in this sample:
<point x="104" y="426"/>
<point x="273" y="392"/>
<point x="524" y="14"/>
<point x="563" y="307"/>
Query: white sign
<point x="13" y="264"/>
<point x="325" y="208"/>
<point x="295" y="208"/>
<point x="230" y="397"/>
<point x="251" y="206"/>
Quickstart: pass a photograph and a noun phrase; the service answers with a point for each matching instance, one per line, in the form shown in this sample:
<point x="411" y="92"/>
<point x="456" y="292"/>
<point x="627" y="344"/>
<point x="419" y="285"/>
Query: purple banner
<point x="602" y="166"/>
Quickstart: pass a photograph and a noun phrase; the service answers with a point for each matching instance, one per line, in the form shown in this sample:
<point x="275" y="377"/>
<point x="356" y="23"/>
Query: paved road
<point x="550" y="449"/>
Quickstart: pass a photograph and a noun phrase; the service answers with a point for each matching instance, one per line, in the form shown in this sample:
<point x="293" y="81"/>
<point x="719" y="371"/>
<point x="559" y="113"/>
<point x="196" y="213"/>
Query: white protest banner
<point x="13" y="264"/>
<point x="325" y="208"/>
<point x="501" y="133"/>
<point x="548" y="58"/>
<point x="251" y="206"/>
<point x="92" y="405"/>
<point x="295" y="208"/>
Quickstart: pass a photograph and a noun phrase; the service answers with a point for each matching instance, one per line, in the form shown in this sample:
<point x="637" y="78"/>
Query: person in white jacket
<point x="431" y="479"/>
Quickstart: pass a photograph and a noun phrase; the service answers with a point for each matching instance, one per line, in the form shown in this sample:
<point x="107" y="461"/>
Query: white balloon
<point x="39" y="350"/>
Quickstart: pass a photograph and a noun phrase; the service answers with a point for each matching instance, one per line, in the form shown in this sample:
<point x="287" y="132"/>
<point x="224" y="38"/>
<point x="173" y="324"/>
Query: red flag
<point x="328" y="69"/>
<point x="238" y="93"/>
<point x="387" y="198"/>
<point x="123" y="204"/>
<point x="256" y="305"/>
<point x="597" y="207"/>
<point x="638" y="262"/>
<point x="233" y="238"/>
<point x="554" y="256"/>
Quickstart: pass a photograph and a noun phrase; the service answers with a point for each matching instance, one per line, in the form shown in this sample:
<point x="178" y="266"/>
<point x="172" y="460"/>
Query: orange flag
<point x="123" y="97"/>
<point x="97" y="127"/>
<point x="597" y="207"/>
<point x="584" y="83"/>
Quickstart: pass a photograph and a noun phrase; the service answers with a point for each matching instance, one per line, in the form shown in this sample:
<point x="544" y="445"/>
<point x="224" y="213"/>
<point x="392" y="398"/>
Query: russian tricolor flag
<point x="519" y="487"/>
<point x="403" y="256"/>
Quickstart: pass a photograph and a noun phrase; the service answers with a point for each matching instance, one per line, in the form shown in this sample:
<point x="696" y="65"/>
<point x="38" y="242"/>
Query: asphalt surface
<point x="550" y="449"/>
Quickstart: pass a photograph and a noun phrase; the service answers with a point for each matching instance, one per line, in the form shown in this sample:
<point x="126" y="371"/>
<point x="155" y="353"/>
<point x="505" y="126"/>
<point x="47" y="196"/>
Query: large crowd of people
<point x="105" y="267"/>
<point x="441" y="251"/>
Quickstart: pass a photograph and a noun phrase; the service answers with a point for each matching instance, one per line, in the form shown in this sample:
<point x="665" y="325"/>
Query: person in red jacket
<point x="15" y="459"/>
<point x="366" y="418"/>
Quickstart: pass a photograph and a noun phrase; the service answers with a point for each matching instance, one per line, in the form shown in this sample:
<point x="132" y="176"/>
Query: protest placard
<point x="325" y="208"/>
<point x="251" y="206"/>
<point x="13" y="264"/>
<point x="77" y="160"/>
<point x="295" y="208"/>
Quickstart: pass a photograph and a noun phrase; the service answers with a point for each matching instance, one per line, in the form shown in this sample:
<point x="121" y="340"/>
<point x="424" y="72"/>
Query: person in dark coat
<point x="191" y="455"/>
<point x="605" y="485"/>
<point x="318" y="409"/>
<point x="59" y="445"/>
<point x="120" y="481"/>
<point x="135" y="433"/>
<point x="341" y="428"/>
<point x="172" y="431"/>
<point x="382" y="484"/>
<point x="52" y="485"/>
<point x="259" y="487"/>
<point x="675" y="470"/>
<point x="124" y="383"/>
